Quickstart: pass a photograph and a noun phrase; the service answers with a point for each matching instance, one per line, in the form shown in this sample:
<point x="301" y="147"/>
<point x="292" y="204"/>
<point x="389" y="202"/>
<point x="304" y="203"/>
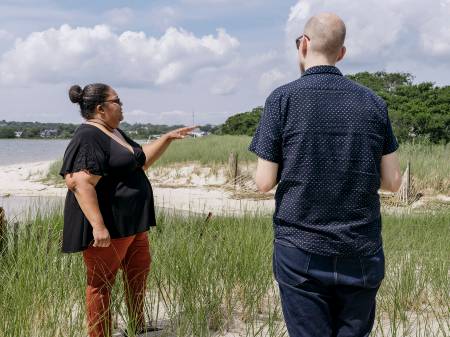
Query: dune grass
<point x="429" y="162"/>
<point x="208" y="150"/>
<point x="211" y="277"/>
<point x="430" y="165"/>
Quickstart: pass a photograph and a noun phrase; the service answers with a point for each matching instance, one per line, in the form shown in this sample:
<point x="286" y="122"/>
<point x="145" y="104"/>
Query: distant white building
<point x="197" y="134"/>
<point x="49" y="133"/>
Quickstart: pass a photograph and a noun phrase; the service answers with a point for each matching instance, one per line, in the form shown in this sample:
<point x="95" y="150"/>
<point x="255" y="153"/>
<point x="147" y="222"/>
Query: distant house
<point x="18" y="134"/>
<point x="48" y="133"/>
<point x="197" y="134"/>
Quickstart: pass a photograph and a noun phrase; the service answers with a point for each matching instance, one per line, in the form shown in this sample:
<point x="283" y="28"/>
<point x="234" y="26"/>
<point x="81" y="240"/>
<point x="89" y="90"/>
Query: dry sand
<point x="24" y="180"/>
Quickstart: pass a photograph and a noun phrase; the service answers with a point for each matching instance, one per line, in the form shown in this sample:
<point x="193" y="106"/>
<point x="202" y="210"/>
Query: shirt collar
<point x="325" y="69"/>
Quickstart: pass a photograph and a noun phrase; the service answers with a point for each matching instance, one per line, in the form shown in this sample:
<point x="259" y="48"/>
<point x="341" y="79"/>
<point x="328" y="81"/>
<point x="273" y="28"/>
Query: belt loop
<point x="308" y="261"/>
<point x="335" y="269"/>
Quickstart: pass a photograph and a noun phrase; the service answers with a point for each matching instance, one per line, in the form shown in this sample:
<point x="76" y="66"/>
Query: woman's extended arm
<point x="155" y="149"/>
<point x="82" y="184"/>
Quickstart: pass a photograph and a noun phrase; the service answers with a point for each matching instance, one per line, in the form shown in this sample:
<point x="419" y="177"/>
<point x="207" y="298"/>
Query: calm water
<point x="22" y="208"/>
<point x="16" y="151"/>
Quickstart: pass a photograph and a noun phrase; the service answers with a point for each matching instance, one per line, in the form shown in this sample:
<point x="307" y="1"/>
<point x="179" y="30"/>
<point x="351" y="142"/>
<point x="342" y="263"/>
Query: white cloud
<point x="6" y="39"/>
<point x="299" y="11"/>
<point x="5" y="35"/>
<point x="225" y="86"/>
<point x="129" y="59"/>
<point x="270" y="79"/>
<point x="381" y="31"/>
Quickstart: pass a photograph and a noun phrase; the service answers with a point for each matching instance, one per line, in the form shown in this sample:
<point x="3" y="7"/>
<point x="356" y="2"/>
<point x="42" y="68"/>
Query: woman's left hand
<point x="179" y="133"/>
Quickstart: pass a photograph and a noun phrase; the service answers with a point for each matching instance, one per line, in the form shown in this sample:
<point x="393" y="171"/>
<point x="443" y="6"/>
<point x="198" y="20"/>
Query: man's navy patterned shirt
<point x="328" y="134"/>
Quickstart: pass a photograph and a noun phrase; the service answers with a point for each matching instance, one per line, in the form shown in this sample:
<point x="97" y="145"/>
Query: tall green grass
<point x="211" y="277"/>
<point x="52" y="176"/>
<point x="208" y="150"/>
<point x="430" y="164"/>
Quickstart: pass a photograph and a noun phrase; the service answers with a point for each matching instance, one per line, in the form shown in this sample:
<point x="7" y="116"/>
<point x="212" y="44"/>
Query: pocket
<point x="373" y="268"/>
<point x="290" y="265"/>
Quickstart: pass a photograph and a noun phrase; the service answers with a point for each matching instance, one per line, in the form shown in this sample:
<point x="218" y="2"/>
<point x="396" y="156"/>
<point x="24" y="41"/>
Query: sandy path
<point x="23" y="180"/>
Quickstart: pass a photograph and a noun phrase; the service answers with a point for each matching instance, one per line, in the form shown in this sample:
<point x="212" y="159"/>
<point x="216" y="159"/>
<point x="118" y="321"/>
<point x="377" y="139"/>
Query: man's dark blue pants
<point x="327" y="296"/>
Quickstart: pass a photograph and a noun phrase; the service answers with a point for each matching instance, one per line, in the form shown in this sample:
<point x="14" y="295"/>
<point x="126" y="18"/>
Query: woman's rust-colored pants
<point x="132" y="254"/>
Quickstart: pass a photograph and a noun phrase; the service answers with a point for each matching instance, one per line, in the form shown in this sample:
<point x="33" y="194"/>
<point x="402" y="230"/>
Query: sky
<point x="197" y="61"/>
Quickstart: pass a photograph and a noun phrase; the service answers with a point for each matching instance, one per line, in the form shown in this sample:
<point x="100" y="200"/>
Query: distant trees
<point x="61" y="130"/>
<point x="417" y="111"/>
<point x="36" y="129"/>
<point x="143" y="131"/>
<point x="243" y="123"/>
<point x="6" y="132"/>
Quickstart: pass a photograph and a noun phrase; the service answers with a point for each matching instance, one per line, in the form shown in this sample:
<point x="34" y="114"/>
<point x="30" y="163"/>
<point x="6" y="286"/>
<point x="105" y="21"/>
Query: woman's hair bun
<point x="75" y="94"/>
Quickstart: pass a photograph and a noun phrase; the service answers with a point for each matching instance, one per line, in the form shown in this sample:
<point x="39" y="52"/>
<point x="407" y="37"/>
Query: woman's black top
<point x="124" y="192"/>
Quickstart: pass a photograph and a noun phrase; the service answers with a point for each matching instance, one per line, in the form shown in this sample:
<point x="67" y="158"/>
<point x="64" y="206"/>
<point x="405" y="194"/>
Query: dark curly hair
<point x="89" y="97"/>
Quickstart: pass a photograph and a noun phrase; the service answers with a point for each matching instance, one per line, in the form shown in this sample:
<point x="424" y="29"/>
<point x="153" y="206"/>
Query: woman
<point x="109" y="205"/>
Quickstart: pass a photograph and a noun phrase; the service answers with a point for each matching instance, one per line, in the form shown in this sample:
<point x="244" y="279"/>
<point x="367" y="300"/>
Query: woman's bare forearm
<point x="87" y="199"/>
<point x="155" y="149"/>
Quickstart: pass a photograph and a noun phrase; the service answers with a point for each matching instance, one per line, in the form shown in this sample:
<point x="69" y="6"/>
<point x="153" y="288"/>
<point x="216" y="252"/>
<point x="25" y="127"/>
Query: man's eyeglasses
<point x="299" y="39"/>
<point x="116" y="100"/>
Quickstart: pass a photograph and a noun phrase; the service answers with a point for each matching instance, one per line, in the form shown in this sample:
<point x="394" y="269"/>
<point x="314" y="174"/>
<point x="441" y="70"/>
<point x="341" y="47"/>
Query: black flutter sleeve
<point x="85" y="153"/>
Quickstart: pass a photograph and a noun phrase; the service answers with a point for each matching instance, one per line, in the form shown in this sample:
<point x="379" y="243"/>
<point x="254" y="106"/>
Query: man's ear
<point x="341" y="53"/>
<point x="304" y="47"/>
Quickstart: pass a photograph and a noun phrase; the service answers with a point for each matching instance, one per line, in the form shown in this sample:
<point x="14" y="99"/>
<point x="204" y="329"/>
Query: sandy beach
<point x="25" y="181"/>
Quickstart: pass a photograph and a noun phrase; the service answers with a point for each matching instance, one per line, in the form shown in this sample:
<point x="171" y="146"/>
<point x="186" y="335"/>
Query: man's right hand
<point x="101" y="237"/>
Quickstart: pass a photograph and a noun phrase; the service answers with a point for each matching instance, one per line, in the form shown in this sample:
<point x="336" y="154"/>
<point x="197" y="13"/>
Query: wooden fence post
<point x="3" y="231"/>
<point x="233" y="167"/>
<point x="404" y="192"/>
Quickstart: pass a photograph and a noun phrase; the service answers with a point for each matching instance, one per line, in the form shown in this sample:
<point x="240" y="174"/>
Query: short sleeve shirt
<point x="124" y="192"/>
<point x="328" y="134"/>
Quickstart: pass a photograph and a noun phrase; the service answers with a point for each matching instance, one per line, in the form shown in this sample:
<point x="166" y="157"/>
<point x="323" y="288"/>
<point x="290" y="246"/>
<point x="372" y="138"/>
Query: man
<point x="329" y="145"/>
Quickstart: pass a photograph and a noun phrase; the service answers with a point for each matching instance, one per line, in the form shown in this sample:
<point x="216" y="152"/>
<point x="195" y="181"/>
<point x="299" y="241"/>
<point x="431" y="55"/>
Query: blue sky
<point x="167" y="59"/>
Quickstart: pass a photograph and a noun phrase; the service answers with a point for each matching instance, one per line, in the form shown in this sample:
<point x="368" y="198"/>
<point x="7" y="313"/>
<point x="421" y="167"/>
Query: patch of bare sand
<point x="197" y="196"/>
<point x="25" y="180"/>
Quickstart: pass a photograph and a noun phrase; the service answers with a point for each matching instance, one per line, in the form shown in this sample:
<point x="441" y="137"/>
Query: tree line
<point x="417" y="111"/>
<point x="63" y="130"/>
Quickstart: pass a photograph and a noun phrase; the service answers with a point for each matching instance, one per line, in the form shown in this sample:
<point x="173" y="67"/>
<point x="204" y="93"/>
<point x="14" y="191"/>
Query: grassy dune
<point x="208" y="150"/>
<point x="214" y="277"/>
<point x="429" y="162"/>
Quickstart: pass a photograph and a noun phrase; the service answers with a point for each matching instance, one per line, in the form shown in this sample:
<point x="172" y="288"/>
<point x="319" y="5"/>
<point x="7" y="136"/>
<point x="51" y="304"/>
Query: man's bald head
<point x="327" y="34"/>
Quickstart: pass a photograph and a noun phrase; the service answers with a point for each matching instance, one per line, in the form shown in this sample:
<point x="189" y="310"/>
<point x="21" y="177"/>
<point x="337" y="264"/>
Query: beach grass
<point x="209" y="150"/>
<point x="52" y="177"/>
<point x="430" y="164"/>
<point x="213" y="277"/>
